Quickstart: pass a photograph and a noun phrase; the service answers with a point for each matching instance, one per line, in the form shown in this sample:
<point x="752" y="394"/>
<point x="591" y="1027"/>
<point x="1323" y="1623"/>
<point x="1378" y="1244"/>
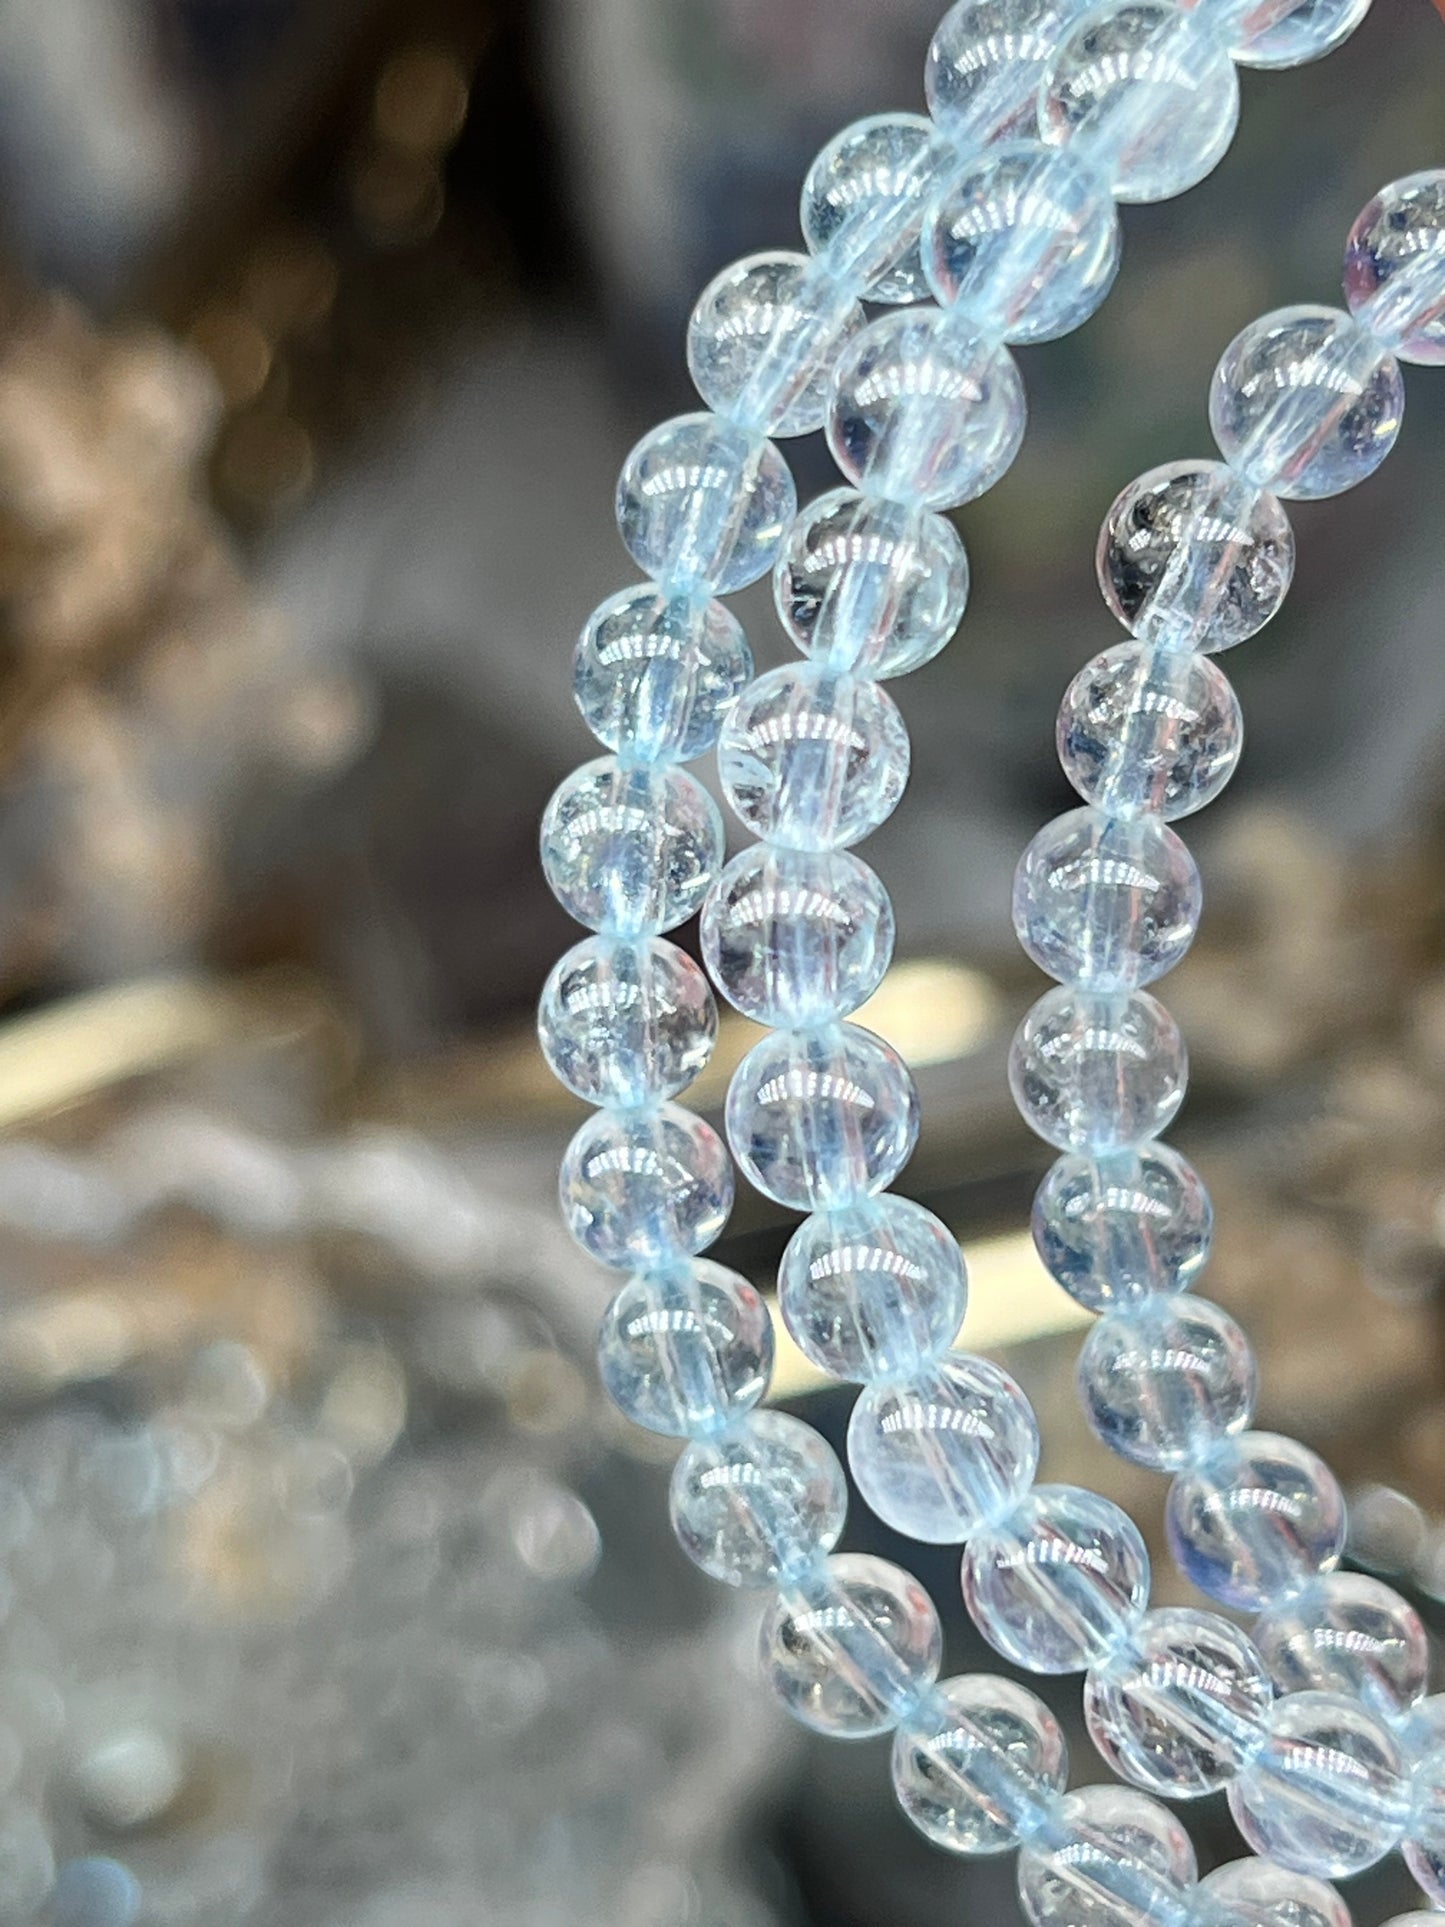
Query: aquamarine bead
<point x="851" y="1647"/>
<point x="1106" y="902"/>
<point x="1255" y="1524"/>
<point x="1347" y="1633"/>
<point x="1114" y="1230"/>
<point x="92" y="1890"/>
<point x="631" y="851"/>
<point x="811" y="760"/>
<point x="1257" y="1893"/>
<point x="1327" y="1793"/>
<point x="1023" y="242"/>
<point x="1181" y="1706"/>
<point x="626" y="1022"/>
<point x="654" y="674"/>
<point x="1283" y="33"/>
<point x="1306" y="402"/>
<point x="1148" y="92"/>
<point x="703" y="505"/>
<point x="1164" y="1383"/>
<point x="763" y="339"/>
<point x="1395" y="267"/>
<point x="985" y="63"/>
<point x="925" y="410"/>
<point x="819" y="1118"/>
<point x="874" y="1290"/>
<point x="871" y="586"/>
<point x="1098" y="1073"/>
<point x="864" y="200"/>
<point x="979" y="1766"/>
<point x="939" y="1455"/>
<point x="793" y="938"/>
<point x="1060" y="1582"/>
<point x="1149" y="729"/>
<point x="686" y="1352"/>
<point x="1111" y="1857"/>
<point x="764" y="1500"/>
<point x="641" y="1188"/>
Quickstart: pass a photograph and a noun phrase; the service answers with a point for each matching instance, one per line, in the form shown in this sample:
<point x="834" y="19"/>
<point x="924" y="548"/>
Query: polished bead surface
<point x="1306" y="402"/>
<point x="764" y="1500"/>
<point x="655" y="674"/>
<point x="703" y="504"/>
<point x="1347" y="1633"/>
<point x="864" y="200"/>
<point x="874" y="1290"/>
<point x="1395" y="267"/>
<point x="1098" y="1073"/>
<point x="643" y="1188"/>
<point x="1424" y="1848"/>
<point x="1257" y="1893"/>
<point x="985" y="63"/>
<point x="631" y="851"/>
<point x="1283" y="33"/>
<point x="811" y="760"/>
<point x="1145" y="728"/>
<point x="979" y="1764"/>
<point x="852" y="1646"/>
<point x="763" y="338"/>
<point x="1327" y="1792"/>
<point x="1255" y="1524"/>
<point x="624" y="1022"/>
<point x="1115" y="1230"/>
<point x="686" y="1352"/>
<point x="938" y="1455"/>
<point x="1114" y="1858"/>
<point x="1164" y="1383"/>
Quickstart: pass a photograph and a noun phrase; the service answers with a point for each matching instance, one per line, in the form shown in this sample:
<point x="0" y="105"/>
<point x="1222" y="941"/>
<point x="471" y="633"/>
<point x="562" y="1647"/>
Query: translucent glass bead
<point x="871" y="586"/>
<point x="1306" y="402"/>
<point x="822" y="1117"/>
<point x="686" y="1352"/>
<point x="1347" y="1633"/>
<point x="655" y="674"/>
<point x="985" y="65"/>
<point x="864" y="200"/>
<point x="1149" y="729"/>
<point x="1149" y="93"/>
<point x="763" y="339"/>
<point x="1098" y="1073"/>
<point x="643" y="1188"/>
<point x="624" y="1023"/>
<point x="979" y="1764"/>
<point x="1115" y="1230"/>
<point x="1327" y="1792"/>
<point x="939" y="1455"/>
<point x="1114" y="1858"/>
<point x="1180" y="1707"/>
<point x="1060" y="1583"/>
<point x="1257" y="1893"/>
<point x="1424" y="1850"/>
<point x="1255" y="1524"/>
<point x="704" y="505"/>
<point x="925" y="410"/>
<point x="631" y="851"/>
<point x="1023" y="242"/>
<point x="796" y="937"/>
<point x="1283" y="33"/>
<point x="811" y="760"/>
<point x="1395" y="267"/>
<point x="764" y="1500"/>
<point x="852" y="1646"/>
<point x="1164" y="1383"/>
<point x="875" y="1290"/>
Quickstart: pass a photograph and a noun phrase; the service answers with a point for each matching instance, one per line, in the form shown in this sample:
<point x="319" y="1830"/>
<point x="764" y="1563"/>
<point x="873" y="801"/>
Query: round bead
<point x="1114" y="1858"/>
<point x="939" y="1455"/>
<point x="811" y="760"/>
<point x="1306" y="402"/>
<point x="796" y="937"/>
<point x="624" y="1023"/>
<point x="1181" y="1706"/>
<point x="864" y="201"/>
<point x="1256" y="1523"/>
<point x="686" y="1352"/>
<point x="925" y="410"/>
<point x="985" y="64"/>
<point x="1097" y="1073"/>
<point x="1024" y="242"/>
<point x="1060" y="1583"/>
<point x="1149" y="729"/>
<point x="1349" y="1634"/>
<point x="1327" y="1792"/>
<point x="1284" y="33"/>
<point x="852" y="1646"/>
<point x="1256" y="1893"/>
<point x="764" y="1500"/>
<point x="980" y="1763"/>
<point x="870" y="585"/>
<point x="763" y="339"/>
<point x="822" y="1117"/>
<point x="1115" y="1230"/>
<point x="655" y="674"/>
<point x="631" y="851"/>
<point x="1395" y="267"/>
<point x="1424" y="1850"/>
<point x="642" y="1188"/>
<point x="1166" y="1382"/>
<point x="875" y="1290"/>
<point x="704" y="504"/>
<point x="93" y="1890"/>
<point x="1150" y="94"/>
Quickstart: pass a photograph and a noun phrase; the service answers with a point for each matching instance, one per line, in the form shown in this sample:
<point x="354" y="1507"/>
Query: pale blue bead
<point x="1060" y="1583"/>
<point x="1347" y="1633"/>
<point x="822" y="1117"/>
<point x="851" y="1647"/>
<point x="686" y="1352"/>
<point x="925" y="410"/>
<point x="655" y="674"/>
<point x="704" y="505"/>
<point x="864" y="200"/>
<point x="1181" y="1706"/>
<point x="764" y="1500"/>
<point x="642" y="1188"/>
<point x="875" y="1290"/>
<point x="1163" y="1384"/>
<point x="1098" y="1073"/>
<point x="1148" y="92"/>
<point x="811" y="760"/>
<point x="871" y="586"/>
<point x="1306" y="402"/>
<point x="939" y="1455"/>
<point x="985" y="64"/>
<point x="631" y="851"/>
<point x="1283" y="33"/>
<point x="763" y="339"/>
<point x="1150" y="729"/>
<point x="1023" y="241"/>
<point x="1111" y="1858"/>
<point x="980" y="1765"/>
<point x="1395" y="267"/>
<point x="1327" y="1793"/>
<point x="1114" y="1230"/>
<point x="624" y="1022"/>
<point x="94" y="1891"/>
<point x="1255" y="1524"/>
<point x="1257" y="1893"/>
<point x="794" y="938"/>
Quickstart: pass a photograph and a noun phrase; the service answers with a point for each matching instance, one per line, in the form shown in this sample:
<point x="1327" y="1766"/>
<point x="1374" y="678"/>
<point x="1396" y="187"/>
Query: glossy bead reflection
<point x="630" y="851"/>
<point x="1256" y="1893"/>
<point x="1149" y="729"/>
<point x="764" y="1500"/>
<point x="1255" y="1524"/>
<point x="686" y="1352"/>
<point x="978" y="1765"/>
<point x="1098" y="1073"/>
<point x="763" y="338"/>
<point x="622" y="1023"/>
<point x="1327" y="1792"/>
<point x="1113" y="1858"/>
<point x="703" y="504"/>
<point x="850" y="1648"/>
<point x="864" y="200"/>
<point x="1424" y="1850"/>
<point x="1164" y="1383"/>
<point x="1113" y="1230"/>
<point x="1395" y="267"/>
<point x="1347" y="1633"/>
<point x="1284" y="33"/>
<point x="985" y="64"/>
<point x="643" y="1188"/>
<point x="655" y="674"/>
